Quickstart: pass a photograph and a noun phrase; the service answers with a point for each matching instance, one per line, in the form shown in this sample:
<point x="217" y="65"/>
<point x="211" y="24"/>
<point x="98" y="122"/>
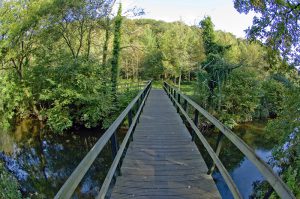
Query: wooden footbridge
<point x="158" y="158"/>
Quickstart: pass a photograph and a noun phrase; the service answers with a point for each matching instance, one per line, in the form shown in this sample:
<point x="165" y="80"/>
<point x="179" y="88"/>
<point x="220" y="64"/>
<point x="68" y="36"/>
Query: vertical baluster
<point x="139" y="104"/>
<point x="196" y="121"/>
<point x="185" y="105"/>
<point x="130" y="122"/>
<point x="217" y="150"/>
<point x="114" y="144"/>
<point x="115" y="148"/>
<point x="178" y="99"/>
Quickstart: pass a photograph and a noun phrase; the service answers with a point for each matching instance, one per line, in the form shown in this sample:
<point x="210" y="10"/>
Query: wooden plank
<point x="148" y="184"/>
<point x="162" y="161"/>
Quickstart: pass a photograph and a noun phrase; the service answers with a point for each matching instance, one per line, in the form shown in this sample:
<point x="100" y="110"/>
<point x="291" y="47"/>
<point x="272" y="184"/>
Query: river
<point x="42" y="161"/>
<point x="242" y="171"/>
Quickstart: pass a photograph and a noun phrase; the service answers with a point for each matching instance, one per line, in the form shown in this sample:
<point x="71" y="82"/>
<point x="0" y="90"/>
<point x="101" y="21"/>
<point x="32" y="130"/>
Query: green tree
<point x="116" y="51"/>
<point x="215" y="64"/>
<point x="240" y="96"/>
<point x="277" y="25"/>
<point x="174" y="45"/>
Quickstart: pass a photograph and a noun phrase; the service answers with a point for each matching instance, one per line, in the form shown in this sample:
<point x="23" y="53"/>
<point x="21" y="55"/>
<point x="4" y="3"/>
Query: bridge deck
<point x="162" y="161"/>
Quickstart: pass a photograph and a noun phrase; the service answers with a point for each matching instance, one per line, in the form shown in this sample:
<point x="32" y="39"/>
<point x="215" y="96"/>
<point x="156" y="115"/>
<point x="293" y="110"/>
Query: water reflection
<point x="243" y="172"/>
<point x="42" y="161"/>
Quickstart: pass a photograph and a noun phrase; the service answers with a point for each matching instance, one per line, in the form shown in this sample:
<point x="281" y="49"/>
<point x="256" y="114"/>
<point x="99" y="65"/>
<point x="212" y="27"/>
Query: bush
<point x="71" y="94"/>
<point x="240" y="97"/>
<point x="13" y="102"/>
<point x="9" y="187"/>
<point x="272" y="96"/>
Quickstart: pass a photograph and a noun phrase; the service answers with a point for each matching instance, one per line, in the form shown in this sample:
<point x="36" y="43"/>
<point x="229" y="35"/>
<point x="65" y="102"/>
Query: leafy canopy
<point x="276" y="24"/>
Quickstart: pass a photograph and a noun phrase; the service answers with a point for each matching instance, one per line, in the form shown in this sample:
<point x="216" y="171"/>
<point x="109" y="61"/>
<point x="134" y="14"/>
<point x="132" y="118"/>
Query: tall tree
<point x="175" y="53"/>
<point x="107" y="28"/>
<point x="116" y="51"/>
<point x="277" y="25"/>
<point x="215" y="65"/>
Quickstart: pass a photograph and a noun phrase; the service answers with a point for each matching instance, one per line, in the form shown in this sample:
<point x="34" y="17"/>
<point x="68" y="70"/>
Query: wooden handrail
<point x="234" y="190"/>
<point x="68" y="188"/>
<point x="117" y="159"/>
<point x="275" y="181"/>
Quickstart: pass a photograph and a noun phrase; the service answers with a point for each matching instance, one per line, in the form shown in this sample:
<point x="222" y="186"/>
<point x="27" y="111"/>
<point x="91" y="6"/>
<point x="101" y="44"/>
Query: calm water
<point x="42" y="161"/>
<point x="243" y="172"/>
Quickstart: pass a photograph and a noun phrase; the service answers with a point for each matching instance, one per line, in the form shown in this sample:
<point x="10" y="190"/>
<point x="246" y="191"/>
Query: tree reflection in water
<point x="243" y="172"/>
<point x="42" y="161"/>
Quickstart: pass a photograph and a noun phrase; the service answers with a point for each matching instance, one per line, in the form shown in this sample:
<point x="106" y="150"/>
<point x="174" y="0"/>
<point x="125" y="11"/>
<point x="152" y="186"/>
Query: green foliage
<point x="9" y="187"/>
<point x="116" y="51"/>
<point x="123" y="99"/>
<point x="202" y="89"/>
<point x="13" y="103"/>
<point x="81" y="98"/>
<point x="153" y="61"/>
<point x="273" y="93"/>
<point x="208" y="36"/>
<point x="286" y="127"/>
<point x="240" y="97"/>
<point x="153" y="65"/>
<point x="216" y="66"/>
<point x="277" y="24"/>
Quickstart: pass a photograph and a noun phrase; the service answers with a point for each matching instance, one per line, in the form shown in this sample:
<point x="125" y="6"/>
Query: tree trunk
<point x="89" y="43"/>
<point x="179" y="79"/>
<point x="116" y="53"/>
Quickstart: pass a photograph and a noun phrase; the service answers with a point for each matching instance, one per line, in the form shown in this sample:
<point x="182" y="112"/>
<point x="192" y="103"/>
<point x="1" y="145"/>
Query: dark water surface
<point x="243" y="172"/>
<point x="42" y="161"/>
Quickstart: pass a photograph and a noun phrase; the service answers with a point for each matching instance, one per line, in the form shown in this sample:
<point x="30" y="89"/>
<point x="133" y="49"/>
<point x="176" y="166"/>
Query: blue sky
<point x="223" y="14"/>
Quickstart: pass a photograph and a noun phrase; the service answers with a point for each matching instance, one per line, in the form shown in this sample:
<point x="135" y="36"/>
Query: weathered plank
<point x="162" y="161"/>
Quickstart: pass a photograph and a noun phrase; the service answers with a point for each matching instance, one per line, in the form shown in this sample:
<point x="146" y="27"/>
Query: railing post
<point x="185" y="105"/>
<point x="174" y="95"/>
<point x="218" y="150"/>
<point x="178" y="99"/>
<point x="130" y="122"/>
<point x="114" y="145"/>
<point x="196" y="121"/>
<point x="139" y="104"/>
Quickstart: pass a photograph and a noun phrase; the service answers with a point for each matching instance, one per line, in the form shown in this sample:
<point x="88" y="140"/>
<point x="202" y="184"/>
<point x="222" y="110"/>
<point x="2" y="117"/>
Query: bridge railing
<point x="132" y="113"/>
<point x="181" y="103"/>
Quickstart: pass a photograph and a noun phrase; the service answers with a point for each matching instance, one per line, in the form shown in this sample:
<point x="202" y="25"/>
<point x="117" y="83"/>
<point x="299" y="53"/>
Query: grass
<point x="157" y="84"/>
<point x="188" y="88"/>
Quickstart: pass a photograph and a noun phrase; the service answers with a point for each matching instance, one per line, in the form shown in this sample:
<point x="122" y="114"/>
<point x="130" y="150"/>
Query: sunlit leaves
<point x="276" y="24"/>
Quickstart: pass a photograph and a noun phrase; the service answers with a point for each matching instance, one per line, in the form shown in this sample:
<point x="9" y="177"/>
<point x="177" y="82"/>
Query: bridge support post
<point x="178" y="99"/>
<point x="174" y="95"/>
<point x="130" y="122"/>
<point x="139" y="102"/>
<point x="196" y="121"/>
<point x="114" y="144"/>
<point x="185" y="105"/>
<point x="218" y="150"/>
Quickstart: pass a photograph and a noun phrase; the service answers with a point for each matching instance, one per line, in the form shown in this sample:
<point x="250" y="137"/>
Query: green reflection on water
<point x="42" y="160"/>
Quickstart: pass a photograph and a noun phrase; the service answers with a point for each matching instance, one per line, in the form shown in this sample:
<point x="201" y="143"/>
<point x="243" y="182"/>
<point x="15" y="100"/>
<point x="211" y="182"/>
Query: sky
<point x="222" y="12"/>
